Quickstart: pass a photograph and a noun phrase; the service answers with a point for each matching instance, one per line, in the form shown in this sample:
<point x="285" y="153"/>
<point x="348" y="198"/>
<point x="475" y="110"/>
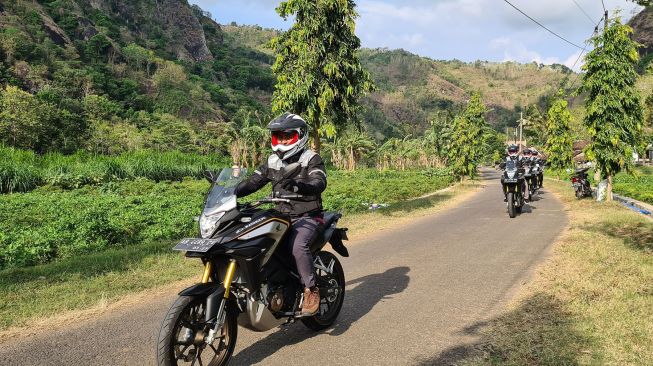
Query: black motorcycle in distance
<point x="512" y="181"/>
<point x="531" y="178"/>
<point x="581" y="183"/>
<point x="250" y="278"/>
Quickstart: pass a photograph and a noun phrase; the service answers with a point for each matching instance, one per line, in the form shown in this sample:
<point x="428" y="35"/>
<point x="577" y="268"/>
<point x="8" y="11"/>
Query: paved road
<point x="416" y="296"/>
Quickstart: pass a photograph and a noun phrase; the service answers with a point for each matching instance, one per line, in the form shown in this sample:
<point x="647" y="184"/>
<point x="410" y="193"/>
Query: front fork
<point x="221" y="314"/>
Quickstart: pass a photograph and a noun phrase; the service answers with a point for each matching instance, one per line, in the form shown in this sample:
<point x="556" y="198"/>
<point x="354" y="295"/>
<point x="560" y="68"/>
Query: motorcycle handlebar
<point x="273" y="200"/>
<point x="290" y="196"/>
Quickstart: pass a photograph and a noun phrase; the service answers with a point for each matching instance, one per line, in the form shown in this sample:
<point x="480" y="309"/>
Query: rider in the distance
<point x="513" y="155"/>
<point x="289" y="139"/>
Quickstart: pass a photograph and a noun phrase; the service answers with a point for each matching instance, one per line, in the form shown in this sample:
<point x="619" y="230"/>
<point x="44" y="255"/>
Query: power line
<point x="596" y="30"/>
<point x="584" y="12"/>
<point x="604" y="9"/>
<point x="540" y="24"/>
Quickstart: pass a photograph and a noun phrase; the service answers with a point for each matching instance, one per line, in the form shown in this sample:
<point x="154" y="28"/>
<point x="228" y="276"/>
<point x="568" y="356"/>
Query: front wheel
<point x="330" y="277"/>
<point x="511" y="205"/>
<point x="182" y="334"/>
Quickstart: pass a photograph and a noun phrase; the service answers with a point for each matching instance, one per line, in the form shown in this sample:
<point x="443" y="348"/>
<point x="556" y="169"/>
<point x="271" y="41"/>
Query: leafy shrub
<point x="50" y="223"/>
<point x="638" y="186"/>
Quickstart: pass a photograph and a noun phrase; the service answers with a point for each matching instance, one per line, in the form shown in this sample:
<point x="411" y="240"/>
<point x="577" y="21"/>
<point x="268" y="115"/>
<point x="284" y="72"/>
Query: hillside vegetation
<point x="120" y="77"/>
<point x="413" y="90"/>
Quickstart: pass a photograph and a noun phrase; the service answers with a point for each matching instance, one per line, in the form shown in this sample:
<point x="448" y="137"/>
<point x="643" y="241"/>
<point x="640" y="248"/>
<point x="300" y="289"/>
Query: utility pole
<point x="520" y="130"/>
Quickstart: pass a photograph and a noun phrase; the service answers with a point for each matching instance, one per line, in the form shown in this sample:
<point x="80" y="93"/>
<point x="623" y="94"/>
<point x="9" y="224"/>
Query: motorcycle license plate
<point x="195" y="245"/>
<point x="510" y="180"/>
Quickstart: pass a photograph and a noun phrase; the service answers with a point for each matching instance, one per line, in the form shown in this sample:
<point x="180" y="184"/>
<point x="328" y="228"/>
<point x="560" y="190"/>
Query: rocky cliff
<point x="642" y="25"/>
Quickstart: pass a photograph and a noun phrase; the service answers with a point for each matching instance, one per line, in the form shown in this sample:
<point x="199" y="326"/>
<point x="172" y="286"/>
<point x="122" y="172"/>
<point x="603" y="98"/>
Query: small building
<point x="579" y="155"/>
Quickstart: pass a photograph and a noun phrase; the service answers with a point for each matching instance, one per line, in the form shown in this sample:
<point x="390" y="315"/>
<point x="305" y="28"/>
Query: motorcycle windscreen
<point x="222" y="196"/>
<point x="221" y="199"/>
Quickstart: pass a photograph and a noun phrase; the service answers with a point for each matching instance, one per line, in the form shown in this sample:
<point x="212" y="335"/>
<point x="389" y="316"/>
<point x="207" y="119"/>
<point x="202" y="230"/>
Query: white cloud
<point x="445" y="29"/>
<point x="573" y="62"/>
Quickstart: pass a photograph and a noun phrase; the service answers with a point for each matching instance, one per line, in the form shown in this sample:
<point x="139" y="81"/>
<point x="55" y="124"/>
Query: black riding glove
<point x="290" y="185"/>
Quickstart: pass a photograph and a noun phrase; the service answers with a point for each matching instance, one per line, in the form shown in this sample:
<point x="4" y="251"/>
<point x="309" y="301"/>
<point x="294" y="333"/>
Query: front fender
<point x="214" y="293"/>
<point x="200" y="289"/>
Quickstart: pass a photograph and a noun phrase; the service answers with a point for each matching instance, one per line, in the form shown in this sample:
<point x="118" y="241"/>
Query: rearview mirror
<point x="290" y="169"/>
<point x="209" y="176"/>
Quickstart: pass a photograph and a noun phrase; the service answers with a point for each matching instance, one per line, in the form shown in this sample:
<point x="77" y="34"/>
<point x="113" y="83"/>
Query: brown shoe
<point x="311" y="301"/>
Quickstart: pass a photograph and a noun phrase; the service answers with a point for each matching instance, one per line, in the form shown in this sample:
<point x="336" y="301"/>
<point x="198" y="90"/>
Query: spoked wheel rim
<point x="333" y="277"/>
<point x="188" y="346"/>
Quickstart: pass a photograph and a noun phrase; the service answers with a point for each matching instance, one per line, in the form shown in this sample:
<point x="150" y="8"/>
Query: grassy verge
<point x="98" y="279"/>
<point x="591" y="303"/>
<point x="639" y="185"/>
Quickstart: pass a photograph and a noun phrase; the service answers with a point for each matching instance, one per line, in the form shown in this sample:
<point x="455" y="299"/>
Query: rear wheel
<point x="181" y="338"/>
<point x="579" y="193"/>
<point x="331" y="276"/>
<point x="511" y="205"/>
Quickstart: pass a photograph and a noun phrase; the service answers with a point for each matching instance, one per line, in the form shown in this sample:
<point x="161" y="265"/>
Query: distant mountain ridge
<point x="121" y="50"/>
<point x="413" y="90"/>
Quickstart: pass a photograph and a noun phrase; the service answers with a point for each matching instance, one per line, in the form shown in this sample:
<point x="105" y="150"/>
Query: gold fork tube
<point x="208" y="268"/>
<point x="229" y="277"/>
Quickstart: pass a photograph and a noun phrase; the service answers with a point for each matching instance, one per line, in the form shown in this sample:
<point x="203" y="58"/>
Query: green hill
<point x="119" y="76"/>
<point x="412" y="90"/>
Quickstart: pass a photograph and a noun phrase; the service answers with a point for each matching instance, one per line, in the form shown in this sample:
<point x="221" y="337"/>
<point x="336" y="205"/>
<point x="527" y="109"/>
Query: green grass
<point x="51" y="223"/>
<point x="591" y="303"/>
<point x="638" y="186"/>
<point x="84" y="279"/>
<point x="23" y="171"/>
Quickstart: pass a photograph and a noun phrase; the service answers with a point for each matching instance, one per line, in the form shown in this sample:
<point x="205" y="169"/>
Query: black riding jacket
<point x="311" y="181"/>
<point x="517" y="159"/>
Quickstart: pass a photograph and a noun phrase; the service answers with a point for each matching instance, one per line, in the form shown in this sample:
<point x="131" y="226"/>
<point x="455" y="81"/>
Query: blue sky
<point x="446" y="29"/>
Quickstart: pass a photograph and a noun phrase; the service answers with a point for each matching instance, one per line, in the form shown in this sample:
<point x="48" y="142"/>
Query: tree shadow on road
<point x="637" y="235"/>
<point x="359" y="301"/>
<point x="539" y="332"/>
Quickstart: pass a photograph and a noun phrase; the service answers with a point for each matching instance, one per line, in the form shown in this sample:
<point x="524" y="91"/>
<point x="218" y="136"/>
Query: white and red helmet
<point x="513" y="150"/>
<point x="291" y="129"/>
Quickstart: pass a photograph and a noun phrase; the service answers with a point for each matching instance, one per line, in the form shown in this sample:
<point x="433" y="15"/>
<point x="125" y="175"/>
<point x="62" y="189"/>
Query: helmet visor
<point x="284" y="137"/>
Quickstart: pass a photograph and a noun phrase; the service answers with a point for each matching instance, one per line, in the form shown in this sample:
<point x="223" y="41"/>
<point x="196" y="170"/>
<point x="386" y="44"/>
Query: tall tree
<point x="466" y="147"/>
<point x="319" y="74"/>
<point x="613" y="109"/>
<point x="559" y="142"/>
<point x="19" y="121"/>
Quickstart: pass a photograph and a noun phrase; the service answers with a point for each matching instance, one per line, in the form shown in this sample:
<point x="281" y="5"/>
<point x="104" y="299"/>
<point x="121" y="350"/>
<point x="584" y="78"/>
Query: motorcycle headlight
<point x="208" y="223"/>
<point x="511" y="174"/>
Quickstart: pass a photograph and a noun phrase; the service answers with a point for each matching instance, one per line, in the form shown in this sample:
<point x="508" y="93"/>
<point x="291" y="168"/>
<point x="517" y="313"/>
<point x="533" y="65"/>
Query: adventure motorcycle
<point x="512" y="182"/>
<point x="250" y="278"/>
<point x="536" y="170"/>
<point x="531" y="176"/>
<point x="581" y="183"/>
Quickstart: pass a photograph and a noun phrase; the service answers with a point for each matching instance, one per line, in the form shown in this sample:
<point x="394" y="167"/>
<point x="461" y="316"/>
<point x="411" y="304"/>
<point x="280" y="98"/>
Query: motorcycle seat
<point x="330" y="217"/>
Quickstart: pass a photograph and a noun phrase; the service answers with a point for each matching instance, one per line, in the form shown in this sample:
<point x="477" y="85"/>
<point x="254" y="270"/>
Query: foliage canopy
<point x="613" y="108"/>
<point x="319" y="74"/>
<point x="559" y="141"/>
<point x="466" y="149"/>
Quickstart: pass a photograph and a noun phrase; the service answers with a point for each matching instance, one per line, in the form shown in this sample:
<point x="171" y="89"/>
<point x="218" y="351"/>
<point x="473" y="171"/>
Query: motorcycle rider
<point x="538" y="160"/>
<point x="520" y="161"/>
<point x="289" y="137"/>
